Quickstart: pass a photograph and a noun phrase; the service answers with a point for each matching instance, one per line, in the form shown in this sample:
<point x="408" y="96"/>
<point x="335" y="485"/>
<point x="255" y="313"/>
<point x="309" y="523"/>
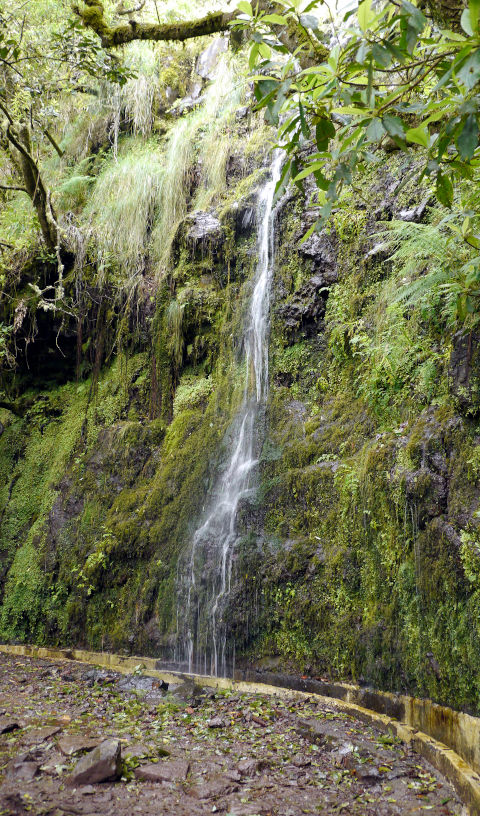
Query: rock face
<point x="465" y="370"/>
<point x="320" y="250"/>
<point x="100" y="765"/>
<point x="202" y="233"/>
<point x="305" y="309"/>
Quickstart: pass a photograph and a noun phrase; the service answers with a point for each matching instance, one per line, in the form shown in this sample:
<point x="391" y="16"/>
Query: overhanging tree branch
<point x="293" y="36"/>
<point x="92" y="14"/>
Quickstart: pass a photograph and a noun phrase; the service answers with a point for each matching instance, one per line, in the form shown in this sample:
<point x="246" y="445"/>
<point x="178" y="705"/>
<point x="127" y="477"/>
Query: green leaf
<point x="365" y="14"/>
<point x="418" y="135"/>
<point x="416" y="19"/>
<point x="381" y="55"/>
<point x="303" y="122"/>
<point x="470" y="18"/>
<point x="444" y="190"/>
<point x="283" y="181"/>
<point x="467" y="141"/>
<point x="469" y="73"/>
<point x="474" y="9"/>
<point x="324" y="131"/>
<point x="275" y="19"/>
<point x="252" y="59"/>
<point x="264" y="50"/>
<point x="307" y="171"/>
<point x="375" y="130"/>
<point x="466" y="22"/>
<point x="393" y="125"/>
<point x="308" y="233"/>
<point x="245" y="7"/>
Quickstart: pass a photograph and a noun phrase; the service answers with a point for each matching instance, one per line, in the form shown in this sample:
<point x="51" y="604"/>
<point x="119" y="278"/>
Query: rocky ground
<point x="79" y="740"/>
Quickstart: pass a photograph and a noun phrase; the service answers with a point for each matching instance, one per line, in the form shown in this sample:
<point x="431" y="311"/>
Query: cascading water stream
<point x="205" y="584"/>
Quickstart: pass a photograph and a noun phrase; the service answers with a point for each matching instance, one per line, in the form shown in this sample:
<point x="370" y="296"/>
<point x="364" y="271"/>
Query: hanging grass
<point x="122" y="209"/>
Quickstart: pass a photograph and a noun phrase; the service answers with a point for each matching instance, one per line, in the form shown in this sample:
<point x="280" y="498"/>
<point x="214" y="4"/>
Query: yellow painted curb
<point x="462" y="776"/>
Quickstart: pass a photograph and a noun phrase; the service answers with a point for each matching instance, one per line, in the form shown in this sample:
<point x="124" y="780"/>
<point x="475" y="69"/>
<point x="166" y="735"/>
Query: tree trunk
<point x="34" y="185"/>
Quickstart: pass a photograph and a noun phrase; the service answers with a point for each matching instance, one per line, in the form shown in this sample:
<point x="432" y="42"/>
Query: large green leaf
<point x="418" y="135"/>
<point x="394" y="126"/>
<point x="444" y="190"/>
<point x="467" y="141"/>
<point x="365" y="14"/>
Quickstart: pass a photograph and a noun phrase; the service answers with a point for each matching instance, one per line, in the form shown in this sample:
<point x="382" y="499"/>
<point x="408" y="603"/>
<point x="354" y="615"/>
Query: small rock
<point x="216" y="722"/>
<point x="168" y="771"/>
<point x="416" y="214"/>
<point x="23" y="771"/>
<point x="69" y="746"/>
<point x="41" y="734"/>
<point x="87" y="790"/>
<point x="6" y="725"/>
<point x="249" y="767"/>
<point x="211" y="789"/>
<point x="100" y="765"/>
<point x="138" y="750"/>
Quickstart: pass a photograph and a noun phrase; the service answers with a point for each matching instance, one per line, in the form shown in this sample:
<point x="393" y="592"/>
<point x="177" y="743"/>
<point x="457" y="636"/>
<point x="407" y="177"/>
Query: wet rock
<point x="7" y="725"/>
<point x="320" y="249"/>
<point x="380" y="252"/>
<point x="41" y="734"/>
<point x="464" y="370"/>
<point x="208" y="59"/>
<point x="242" y="113"/>
<point x="429" y="491"/>
<point x="415" y="214"/>
<point x="202" y="233"/>
<point x="167" y="771"/>
<point x="69" y="746"/>
<point x="100" y="765"/>
<point x="23" y="771"/>
<point x="212" y="788"/>
<point x="319" y="733"/>
<point x="304" y="311"/>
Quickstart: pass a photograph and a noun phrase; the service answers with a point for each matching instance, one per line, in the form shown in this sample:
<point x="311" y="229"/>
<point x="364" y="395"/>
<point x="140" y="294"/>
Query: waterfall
<point x="204" y="582"/>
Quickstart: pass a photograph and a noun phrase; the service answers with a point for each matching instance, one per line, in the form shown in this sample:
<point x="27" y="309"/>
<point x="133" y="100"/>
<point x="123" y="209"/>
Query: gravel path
<point x="187" y="750"/>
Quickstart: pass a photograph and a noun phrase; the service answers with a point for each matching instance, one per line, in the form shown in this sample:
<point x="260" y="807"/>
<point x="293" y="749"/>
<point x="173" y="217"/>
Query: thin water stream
<point x="205" y="581"/>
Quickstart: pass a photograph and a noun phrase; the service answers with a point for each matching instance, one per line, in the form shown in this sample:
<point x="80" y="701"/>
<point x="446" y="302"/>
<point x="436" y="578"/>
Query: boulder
<point x="100" y="765"/>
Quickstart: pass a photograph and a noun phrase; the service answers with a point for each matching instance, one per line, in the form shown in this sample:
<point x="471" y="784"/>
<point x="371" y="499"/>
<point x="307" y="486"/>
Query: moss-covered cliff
<point x="360" y="556"/>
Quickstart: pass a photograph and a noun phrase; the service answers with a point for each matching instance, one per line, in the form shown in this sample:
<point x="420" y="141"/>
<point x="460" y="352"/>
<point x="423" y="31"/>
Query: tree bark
<point x="34" y="185"/>
<point x="292" y="36"/>
<point x="92" y="16"/>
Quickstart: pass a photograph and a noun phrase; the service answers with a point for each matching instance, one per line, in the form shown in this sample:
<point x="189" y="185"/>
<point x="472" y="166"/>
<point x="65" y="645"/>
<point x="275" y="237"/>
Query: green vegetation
<point x="121" y="367"/>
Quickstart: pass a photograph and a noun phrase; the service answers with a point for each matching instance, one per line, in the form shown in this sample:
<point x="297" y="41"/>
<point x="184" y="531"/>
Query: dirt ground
<point x="187" y="750"/>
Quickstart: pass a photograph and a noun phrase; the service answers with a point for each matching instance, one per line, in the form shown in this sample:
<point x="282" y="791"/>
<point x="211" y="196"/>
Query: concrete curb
<point x="455" y="768"/>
